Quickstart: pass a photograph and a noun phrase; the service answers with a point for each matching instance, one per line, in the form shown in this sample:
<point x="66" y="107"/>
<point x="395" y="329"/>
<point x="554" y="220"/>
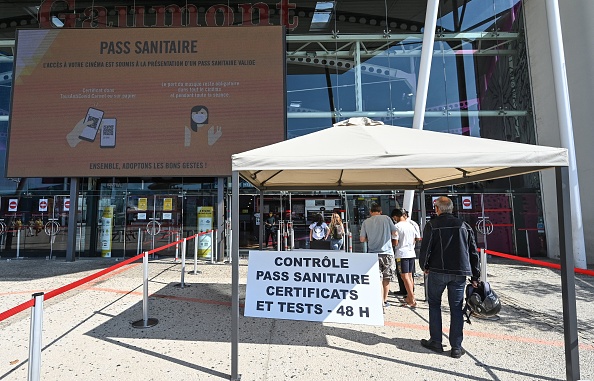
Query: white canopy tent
<point x="363" y="154"/>
<point x="388" y="157"/>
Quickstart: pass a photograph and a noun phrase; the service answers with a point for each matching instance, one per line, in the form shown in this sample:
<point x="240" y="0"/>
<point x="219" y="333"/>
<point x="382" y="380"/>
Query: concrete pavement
<point x="87" y="332"/>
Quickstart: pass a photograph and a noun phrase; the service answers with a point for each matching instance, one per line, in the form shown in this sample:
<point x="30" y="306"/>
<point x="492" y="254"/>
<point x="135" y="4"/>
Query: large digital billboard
<point x="143" y="101"/>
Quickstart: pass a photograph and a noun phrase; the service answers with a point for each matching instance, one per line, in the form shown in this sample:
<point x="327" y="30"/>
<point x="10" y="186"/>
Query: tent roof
<point x="355" y="157"/>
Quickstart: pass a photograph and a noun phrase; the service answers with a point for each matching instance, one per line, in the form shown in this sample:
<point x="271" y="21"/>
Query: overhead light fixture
<point x="322" y="15"/>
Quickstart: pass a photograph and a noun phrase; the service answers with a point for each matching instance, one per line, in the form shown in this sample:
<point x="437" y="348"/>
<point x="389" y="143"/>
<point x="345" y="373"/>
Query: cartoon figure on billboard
<point x="198" y="118"/>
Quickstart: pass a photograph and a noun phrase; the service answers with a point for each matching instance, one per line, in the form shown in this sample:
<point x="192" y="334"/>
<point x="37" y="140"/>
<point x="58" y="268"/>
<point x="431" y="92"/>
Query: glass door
<point x="491" y="216"/>
<point x="152" y="220"/>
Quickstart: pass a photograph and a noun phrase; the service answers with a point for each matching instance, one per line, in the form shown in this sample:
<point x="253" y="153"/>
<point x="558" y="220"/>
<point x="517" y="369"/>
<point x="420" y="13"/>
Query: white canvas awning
<point x="388" y="157"/>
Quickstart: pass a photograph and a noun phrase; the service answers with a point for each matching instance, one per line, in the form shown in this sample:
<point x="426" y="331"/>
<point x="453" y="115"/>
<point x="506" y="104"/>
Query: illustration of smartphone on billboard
<point x="108" y="133"/>
<point x="92" y="123"/>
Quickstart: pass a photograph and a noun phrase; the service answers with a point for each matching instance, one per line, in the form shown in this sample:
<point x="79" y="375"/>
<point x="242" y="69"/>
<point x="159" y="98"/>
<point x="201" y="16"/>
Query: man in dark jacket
<point x="448" y="255"/>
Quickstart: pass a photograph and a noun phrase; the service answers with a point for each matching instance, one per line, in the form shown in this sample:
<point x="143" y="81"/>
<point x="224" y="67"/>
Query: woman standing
<point x="336" y="232"/>
<point x="318" y="230"/>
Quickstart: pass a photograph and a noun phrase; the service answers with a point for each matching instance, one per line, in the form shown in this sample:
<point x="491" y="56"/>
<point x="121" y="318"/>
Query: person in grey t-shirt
<point x="380" y="234"/>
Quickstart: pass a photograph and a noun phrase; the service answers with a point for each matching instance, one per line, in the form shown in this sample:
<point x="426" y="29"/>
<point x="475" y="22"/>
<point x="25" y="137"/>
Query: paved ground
<point x="87" y="333"/>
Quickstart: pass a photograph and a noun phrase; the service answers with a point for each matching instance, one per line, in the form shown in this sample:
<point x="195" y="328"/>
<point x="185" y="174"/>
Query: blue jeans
<point x="436" y="284"/>
<point x="336" y="243"/>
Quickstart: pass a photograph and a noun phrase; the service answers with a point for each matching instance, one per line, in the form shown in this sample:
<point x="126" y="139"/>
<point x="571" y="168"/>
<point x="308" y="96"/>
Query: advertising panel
<point x="106" y="231"/>
<point x="147" y="102"/>
<point x="205" y="219"/>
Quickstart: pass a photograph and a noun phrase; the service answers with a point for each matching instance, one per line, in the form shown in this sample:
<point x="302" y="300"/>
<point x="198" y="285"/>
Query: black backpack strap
<point x="467" y="311"/>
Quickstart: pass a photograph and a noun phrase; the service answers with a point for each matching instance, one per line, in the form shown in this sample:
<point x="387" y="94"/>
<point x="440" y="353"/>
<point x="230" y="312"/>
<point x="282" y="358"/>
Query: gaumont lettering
<point x="98" y="16"/>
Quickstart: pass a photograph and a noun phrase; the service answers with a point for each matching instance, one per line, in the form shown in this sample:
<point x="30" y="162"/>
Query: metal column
<point x="423" y="83"/>
<point x="566" y="129"/>
<point x="72" y="223"/>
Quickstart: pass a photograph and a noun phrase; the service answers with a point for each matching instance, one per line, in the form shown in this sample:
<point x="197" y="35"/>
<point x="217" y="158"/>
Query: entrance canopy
<point x="388" y="157"/>
<point x="362" y="154"/>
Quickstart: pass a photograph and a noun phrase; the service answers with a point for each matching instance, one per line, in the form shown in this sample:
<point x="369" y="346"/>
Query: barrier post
<point x="182" y="283"/>
<point x="229" y="233"/>
<point x="212" y="253"/>
<point x="483" y="266"/>
<point x="145" y="322"/>
<point x="229" y="247"/>
<point x="285" y="239"/>
<point x="292" y="234"/>
<point x="215" y="244"/>
<point x="19" y="243"/>
<point x="279" y="242"/>
<point x="350" y="241"/>
<point x="51" y="245"/>
<point x="177" y="247"/>
<point x="527" y="243"/>
<point x="139" y="243"/>
<point x="35" y="338"/>
<point x="196" y="254"/>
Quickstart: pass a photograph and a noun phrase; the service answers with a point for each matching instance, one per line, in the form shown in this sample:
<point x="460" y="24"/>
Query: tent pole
<point x="572" y="362"/>
<point x="423" y="83"/>
<point x="235" y="376"/>
<point x="261" y="229"/>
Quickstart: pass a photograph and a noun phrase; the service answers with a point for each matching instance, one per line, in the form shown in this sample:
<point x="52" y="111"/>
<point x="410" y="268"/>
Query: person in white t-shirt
<point x="318" y="229"/>
<point x="404" y="251"/>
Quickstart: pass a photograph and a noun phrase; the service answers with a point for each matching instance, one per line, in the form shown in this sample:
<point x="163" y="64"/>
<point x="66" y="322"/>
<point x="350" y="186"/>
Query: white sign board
<point x="314" y="285"/>
<point x="466" y="202"/>
<point x="13" y="204"/>
<point x="43" y="205"/>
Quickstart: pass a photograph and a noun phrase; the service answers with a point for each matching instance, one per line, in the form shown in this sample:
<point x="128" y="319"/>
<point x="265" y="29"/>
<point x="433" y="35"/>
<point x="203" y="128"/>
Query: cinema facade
<point x="491" y="77"/>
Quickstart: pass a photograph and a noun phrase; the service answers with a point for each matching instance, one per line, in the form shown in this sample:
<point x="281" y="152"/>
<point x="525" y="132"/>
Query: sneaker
<point x="457" y="352"/>
<point x="386" y="305"/>
<point x="433" y="345"/>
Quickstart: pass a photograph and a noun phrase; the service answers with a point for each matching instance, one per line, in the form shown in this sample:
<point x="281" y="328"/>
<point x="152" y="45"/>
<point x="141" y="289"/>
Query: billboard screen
<point x="144" y="101"/>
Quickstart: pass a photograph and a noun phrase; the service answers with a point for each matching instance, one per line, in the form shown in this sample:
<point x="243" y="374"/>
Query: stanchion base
<point x="180" y="285"/>
<point x="151" y="322"/>
<point x="192" y="272"/>
<point x="237" y="379"/>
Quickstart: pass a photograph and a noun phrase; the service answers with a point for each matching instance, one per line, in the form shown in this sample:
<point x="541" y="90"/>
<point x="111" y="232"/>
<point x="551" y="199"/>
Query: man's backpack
<point x="482" y="301"/>
<point x="337" y="231"/>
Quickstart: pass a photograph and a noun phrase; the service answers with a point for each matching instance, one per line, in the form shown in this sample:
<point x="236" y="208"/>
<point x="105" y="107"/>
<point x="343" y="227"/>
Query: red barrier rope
<point x="89" y="278"/>
<point x="15" y="310"/>
<point x="30" y="303"/>
<point x="537" y="262"/>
